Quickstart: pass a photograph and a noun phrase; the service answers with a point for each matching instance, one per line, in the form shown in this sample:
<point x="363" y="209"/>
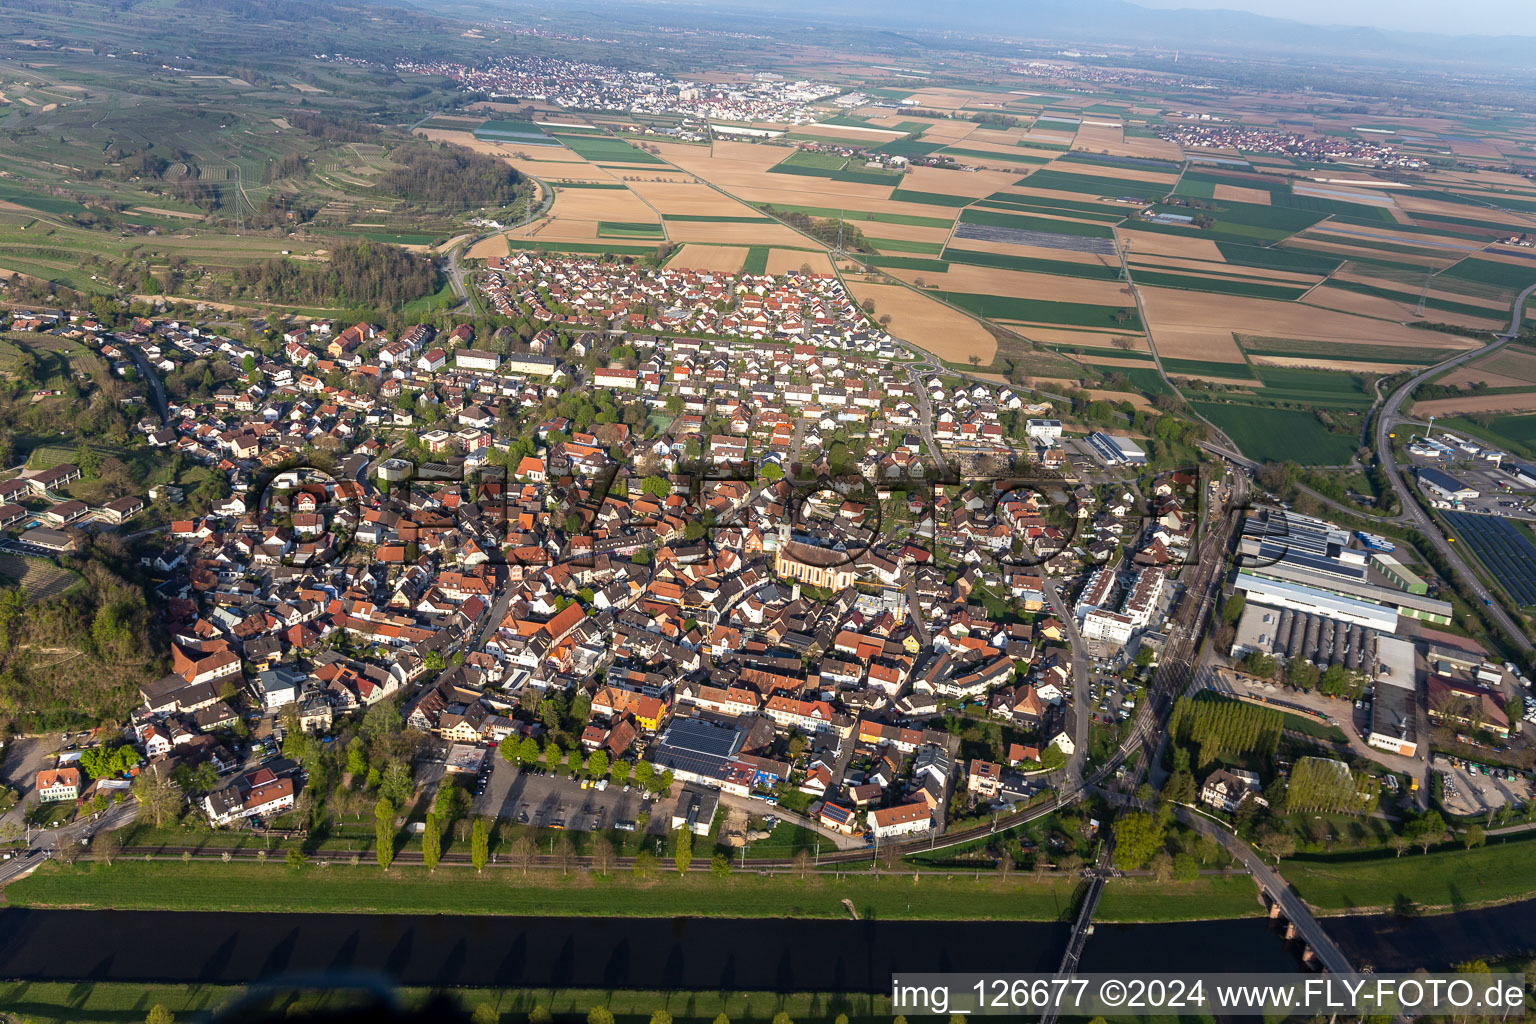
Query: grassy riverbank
<point x="1448" y="878"/>
<point x="202" y="885"/>
<point x="128" y="1003"/>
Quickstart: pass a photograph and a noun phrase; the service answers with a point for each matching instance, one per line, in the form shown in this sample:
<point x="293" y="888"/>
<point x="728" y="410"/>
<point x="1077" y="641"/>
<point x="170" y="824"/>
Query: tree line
<point x="1224" y="728"/>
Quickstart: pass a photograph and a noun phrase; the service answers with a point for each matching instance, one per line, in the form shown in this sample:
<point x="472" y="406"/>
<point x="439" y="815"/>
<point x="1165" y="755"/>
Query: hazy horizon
<point x="1470" y="17"/>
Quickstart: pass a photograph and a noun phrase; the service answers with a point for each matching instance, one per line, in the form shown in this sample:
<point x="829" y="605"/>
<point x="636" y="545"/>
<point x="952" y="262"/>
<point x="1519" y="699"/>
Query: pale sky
<point x="1457" y="17"/>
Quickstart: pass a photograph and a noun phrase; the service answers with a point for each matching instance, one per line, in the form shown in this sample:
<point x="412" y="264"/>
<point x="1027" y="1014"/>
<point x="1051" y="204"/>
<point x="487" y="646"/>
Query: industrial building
<point x="1291" y="635"/>
<point x="1395" y="706"/>
<point x="1116" y="451"/>
<point x="1399" y="573"/>
<point x="1444" y="486"/>
<point x="1312" y="601"/>
<point x="1309" y="553"/>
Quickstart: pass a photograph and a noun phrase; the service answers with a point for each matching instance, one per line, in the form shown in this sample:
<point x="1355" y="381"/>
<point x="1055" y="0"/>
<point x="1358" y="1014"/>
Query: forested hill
<point x="78" y="657"/>
<point x="358" y="275"/>
<point x="449" y="176"/>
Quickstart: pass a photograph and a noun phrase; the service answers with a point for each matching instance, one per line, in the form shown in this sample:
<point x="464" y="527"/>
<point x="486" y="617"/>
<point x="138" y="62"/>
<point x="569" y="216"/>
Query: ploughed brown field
<point x="1525" y="402"/>
<point x="927" y="323"/>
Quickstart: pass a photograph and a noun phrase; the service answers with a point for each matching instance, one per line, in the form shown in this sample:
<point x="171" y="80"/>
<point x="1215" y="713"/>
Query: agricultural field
<point x="38" y="578"/>
<point x="1268" y="434"/>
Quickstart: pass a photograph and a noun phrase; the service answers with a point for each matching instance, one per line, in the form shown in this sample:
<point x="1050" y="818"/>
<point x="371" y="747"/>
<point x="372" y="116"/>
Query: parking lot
<point x="1471" y="788"/>
<point x="554" y="801"/>
<point x="22" y="759"/>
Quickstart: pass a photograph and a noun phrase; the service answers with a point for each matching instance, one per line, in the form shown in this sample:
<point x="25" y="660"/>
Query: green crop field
<point x="628" y="229"/>
<point x="756" y="261"/>
<point x="1031" y="264"/>
<point x="1331" y="351"/>
<point x="1055" y="208"/>
<point x="819" y="161"/>
<point x="1022" y="222"/>
<point x="1222" y="285"/>
<point x="1277" y="259"/>
<point x="901" y="245"/>
<point x="1319" y="387"/>
<point x="902" y="195"/>
<point x="1509" y="276"/>
<point x="1094" y="185"/>
<point x="906" y="263"/>
<point x="599" y="148"/>
<point x="910" y="148"/>
<point x="1045" y="311"/>
<point x="861" y="215"/>
<point x="1206" y="368"/>
<point x="699" y="218"/>
<point x="1275" y="435"/>
<point x="989" y="154"/>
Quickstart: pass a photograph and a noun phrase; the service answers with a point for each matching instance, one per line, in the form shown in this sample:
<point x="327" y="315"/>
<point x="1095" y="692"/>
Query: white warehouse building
<point x="1280" y="594"/>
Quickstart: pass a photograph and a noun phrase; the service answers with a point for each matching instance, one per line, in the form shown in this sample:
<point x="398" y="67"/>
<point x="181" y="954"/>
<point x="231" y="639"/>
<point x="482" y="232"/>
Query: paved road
<point x="1081" y="698"/>
<point x="1421" y="521"/>
<point x="1291" y="905"/>
<point x="45" y="842"/>
<point x="152" y="379"/>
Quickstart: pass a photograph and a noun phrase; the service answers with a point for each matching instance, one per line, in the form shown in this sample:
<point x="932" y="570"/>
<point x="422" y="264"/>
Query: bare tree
<point x="521" y="853"/>
<point x="802" y="862"/>
<point x="105" y="845"/>
<point x="603" y="859"/>
<point x="565" y="853"/>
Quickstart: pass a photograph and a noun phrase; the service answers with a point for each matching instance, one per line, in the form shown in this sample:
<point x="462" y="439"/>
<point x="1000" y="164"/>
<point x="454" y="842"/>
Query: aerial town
<point x="695" y="525"/>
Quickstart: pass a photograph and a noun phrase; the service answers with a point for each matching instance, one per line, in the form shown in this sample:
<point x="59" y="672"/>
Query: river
<point x="568" y="952"/>
<point x="693" y="953"/>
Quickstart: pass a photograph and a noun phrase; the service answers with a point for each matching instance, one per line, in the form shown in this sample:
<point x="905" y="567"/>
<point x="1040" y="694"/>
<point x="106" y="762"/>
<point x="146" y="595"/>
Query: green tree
<point x="295" y="858"/>
<point x="1180" y="787"/>
<point x="1138" y="837"/>
<point x="1474" y="836"/>
<point x="382" y="719"/>
<point x="384" y="831"/>
<point x="396" y="784"/>
<point x="485" y="1013"/>
<point x="357" y="757"/>
<point x="682" y="850"/>
<point x="1232" y="608"/>
<point x="528" y="751"/>
<point x="656" y="486"/>
<point x="431" y="843"/>
<point x="645" y="864"/>
<point x="158" y="1014"/>
<point x="540" y="1015"/>
<point x="597" y="764"/>
<point x="619" y="772"/>
<point x="599" y="1015"/>
<point x="479" y="844"/>
<point x="661" y="1017"/>
<point x="643" y="773"/>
